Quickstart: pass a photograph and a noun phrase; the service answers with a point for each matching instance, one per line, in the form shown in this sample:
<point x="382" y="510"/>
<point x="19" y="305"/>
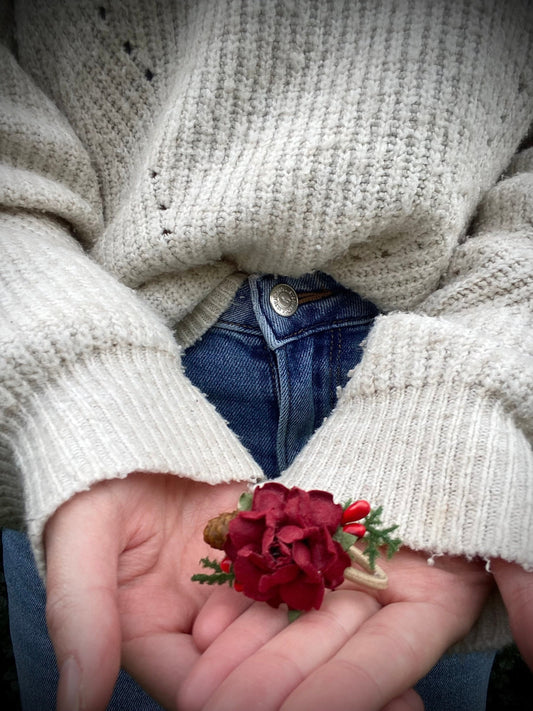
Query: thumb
<point x="81" y="544"/>
<point x="516" y="588"/>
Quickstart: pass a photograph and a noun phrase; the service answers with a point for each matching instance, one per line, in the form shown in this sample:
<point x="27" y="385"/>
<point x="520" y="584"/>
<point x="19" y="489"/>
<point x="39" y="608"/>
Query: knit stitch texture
<point x="155" y="154"/>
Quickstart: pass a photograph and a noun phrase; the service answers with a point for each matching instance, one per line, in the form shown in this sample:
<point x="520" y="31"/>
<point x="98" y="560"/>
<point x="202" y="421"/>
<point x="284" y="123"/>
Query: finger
<point x="159" y="663"/>
<point x="410" y="701"/>
<point x="391" y="651"/>
<point x="81" y="608"/>
<point x="238" y="641"/>
<point x="516" y="588"/>
<point x="221" y="608"/>
<point x="278" y="666"/>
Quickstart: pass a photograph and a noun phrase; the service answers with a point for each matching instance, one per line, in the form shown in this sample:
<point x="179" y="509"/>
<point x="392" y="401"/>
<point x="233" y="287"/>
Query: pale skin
<point x="119" y="561"/>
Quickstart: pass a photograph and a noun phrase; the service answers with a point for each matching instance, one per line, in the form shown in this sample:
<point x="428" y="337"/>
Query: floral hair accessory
<point x="289" y="545"/>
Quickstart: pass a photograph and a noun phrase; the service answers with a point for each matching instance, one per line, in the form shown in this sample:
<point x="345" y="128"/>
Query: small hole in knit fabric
<point x="102" y="12"/>
<point x="149" y="75"/>
<point x="127" y="47"/>
<point x="165" y="232"/>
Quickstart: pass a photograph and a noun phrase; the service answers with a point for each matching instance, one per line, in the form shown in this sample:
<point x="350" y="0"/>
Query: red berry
<point x="359" y="509"/>
<point x="238" y="587"/>
<point x="225" y="565"/>
<point x="356" y="529"/>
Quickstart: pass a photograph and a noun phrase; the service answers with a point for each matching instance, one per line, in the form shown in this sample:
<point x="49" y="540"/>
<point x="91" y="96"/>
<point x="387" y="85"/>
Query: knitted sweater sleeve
<point x="90" y="380"/>
<point x="435" y="422"/>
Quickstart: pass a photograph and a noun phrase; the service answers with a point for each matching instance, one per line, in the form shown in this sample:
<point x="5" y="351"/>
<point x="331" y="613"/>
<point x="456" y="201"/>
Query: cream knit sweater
<point x="155" y="153"/>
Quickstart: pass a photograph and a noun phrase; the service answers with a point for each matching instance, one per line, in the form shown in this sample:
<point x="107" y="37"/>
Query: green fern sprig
<point x="377" y="537"/>
<point x="219" y="577"/>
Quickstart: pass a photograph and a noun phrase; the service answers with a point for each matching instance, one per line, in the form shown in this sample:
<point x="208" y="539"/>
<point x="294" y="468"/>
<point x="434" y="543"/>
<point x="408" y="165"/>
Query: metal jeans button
<point x="284" y="300"/>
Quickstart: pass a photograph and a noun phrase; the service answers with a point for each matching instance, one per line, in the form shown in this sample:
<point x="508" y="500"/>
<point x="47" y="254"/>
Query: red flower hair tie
<point x="289" y="545"/>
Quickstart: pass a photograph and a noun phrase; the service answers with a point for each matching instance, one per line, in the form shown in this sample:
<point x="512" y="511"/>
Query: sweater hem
<point x="113" y="414"/>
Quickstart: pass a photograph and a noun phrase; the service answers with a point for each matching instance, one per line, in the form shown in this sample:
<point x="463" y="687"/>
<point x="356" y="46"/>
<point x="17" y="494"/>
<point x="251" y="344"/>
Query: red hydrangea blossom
<point x="283" y="549"/>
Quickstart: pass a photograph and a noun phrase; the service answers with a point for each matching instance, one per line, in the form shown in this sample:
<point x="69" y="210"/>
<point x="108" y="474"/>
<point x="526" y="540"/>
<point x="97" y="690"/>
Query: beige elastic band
<point x="376" y="579"/>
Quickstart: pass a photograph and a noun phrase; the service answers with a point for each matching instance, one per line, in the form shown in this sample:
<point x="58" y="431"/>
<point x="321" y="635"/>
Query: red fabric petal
<point x="247" y="575"/>
<point x="289" y="534"/>
<point x="297" y="507"/>
<point x="242" y="530"/>
<point x="334" y="573"/>
<point x="301" y="596"/>
<point x="285" y="574"/>
<point x="269" y="496"/>
<point x="262" y="563"/>
<point x="283" y="550"/>
<point x="302" y="558"/>
<point x="323" y="549"/>
<point x="325" y="511"/>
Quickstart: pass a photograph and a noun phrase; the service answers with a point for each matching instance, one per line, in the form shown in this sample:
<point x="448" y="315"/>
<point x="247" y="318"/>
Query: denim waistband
<point x="322" y="304"/>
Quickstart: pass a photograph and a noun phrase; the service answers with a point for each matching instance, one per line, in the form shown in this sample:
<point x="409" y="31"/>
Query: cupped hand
<point x="119" y="561"/>
<point x="362" y="650"/>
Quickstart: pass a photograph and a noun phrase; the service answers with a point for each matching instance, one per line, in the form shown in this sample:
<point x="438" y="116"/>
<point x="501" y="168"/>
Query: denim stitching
<point x="284" y="401"/>
<point x="331" y="345"/>
<point x="338" y="368"/>
<point x="338" y="323"/>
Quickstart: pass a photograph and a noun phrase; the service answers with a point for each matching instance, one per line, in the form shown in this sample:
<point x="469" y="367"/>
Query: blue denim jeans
<point x="280" y="374"/>
<point x="274" y="378"/>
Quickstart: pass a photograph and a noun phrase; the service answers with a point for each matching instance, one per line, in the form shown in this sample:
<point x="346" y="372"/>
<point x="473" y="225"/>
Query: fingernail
<point x="68" y="691"/>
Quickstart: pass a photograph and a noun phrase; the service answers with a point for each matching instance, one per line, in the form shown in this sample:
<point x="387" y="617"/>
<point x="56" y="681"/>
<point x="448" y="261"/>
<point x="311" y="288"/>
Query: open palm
<point x="119" y="562"/>
<point x="360" y="651"/>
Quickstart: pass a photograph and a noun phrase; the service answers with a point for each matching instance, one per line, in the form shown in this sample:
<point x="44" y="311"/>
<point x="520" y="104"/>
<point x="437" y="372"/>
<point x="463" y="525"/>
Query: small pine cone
<point x="217" y="529"/>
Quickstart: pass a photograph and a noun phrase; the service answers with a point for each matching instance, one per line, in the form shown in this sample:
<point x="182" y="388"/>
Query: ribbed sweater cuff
<point x="113" y="414"/>
<point x="434" y="460"/>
